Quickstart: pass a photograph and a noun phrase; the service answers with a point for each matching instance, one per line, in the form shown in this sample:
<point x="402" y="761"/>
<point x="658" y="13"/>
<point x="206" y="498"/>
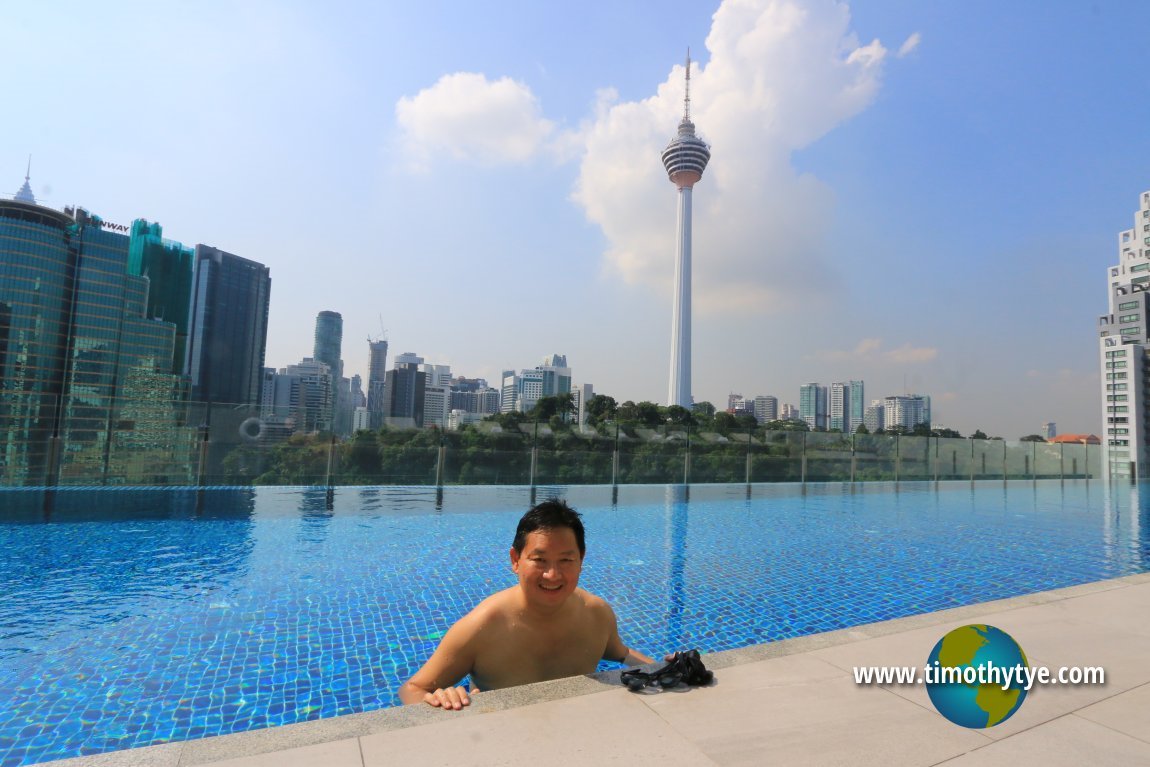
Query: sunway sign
<point x="115" y="227"/>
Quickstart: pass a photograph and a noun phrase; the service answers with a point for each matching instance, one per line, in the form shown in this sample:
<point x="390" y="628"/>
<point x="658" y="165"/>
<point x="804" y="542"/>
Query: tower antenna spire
<point x="686" y="95"/>
<point x="28" y="173"/>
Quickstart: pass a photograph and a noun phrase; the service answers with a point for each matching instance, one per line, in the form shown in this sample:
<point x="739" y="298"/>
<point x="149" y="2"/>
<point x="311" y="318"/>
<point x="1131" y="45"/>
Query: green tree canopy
<point x="787" y="425"/>
<point x="601" y="408"/>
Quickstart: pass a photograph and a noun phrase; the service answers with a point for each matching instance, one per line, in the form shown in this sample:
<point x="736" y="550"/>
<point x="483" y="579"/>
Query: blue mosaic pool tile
<point x="154" y="616"/>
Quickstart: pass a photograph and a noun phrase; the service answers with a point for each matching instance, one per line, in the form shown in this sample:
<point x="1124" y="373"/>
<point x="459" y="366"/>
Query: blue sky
<point x="921" y="195"/>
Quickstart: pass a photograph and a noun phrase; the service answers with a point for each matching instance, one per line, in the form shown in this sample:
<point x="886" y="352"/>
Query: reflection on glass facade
<point x="75" y="339"/>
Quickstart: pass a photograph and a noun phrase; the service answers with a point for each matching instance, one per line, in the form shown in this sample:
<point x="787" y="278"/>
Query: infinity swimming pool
<point x="134" y="617"/>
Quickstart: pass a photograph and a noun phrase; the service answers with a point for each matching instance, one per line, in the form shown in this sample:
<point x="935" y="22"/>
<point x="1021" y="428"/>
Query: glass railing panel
<point x="915" y="458"/>
<point x="1020" y="459"/>
<point x="874" y="456"/>
<point x="647" y="456"/>
<point x="778" y="457"/>
<point x="1076" y="461"/>
<point x="989" y="457"/>
<point x="718" y="458"/>
<point x="1048" y="460"/>
<point x="828" y="457"/>
<point x="566" y="458"/>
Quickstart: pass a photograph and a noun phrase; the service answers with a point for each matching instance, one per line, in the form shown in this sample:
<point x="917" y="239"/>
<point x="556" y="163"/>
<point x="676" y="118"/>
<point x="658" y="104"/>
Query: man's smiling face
<point x="548" y="567"/>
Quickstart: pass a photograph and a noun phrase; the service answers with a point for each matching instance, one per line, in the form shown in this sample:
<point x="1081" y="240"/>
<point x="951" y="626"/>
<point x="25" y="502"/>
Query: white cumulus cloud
<point x="909" y="44"/>
<point x="780" y="74"/>
<point x="474" y="119"/>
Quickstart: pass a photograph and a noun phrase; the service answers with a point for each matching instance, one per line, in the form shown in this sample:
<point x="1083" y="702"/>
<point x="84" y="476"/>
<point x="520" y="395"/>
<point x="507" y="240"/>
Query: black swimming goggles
<point x="683" y="668"/>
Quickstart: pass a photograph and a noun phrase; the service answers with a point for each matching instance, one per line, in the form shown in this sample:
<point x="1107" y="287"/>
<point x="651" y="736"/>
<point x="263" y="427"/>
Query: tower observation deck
<point x="685" y="159"/>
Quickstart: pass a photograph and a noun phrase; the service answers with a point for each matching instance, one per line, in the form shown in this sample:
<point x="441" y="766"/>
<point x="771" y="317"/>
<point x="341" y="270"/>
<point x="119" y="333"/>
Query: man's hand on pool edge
<point x="450" y="698"/>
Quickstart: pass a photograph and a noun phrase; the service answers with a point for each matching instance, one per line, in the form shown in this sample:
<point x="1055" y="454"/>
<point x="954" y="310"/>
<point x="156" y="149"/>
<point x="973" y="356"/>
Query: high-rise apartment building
<point x="857" y="408"/>
<point x="813" y="405"/>
<point x="906" y="410"/>
<point x="874" y="418"/>
<point x="766" y="408"/>
<point x="228" y="328"/>
<point x="1124" y="337"/>
<point x="838" y="407"/>
<point x="582" y="394"/>
<point x="845" y="409"/>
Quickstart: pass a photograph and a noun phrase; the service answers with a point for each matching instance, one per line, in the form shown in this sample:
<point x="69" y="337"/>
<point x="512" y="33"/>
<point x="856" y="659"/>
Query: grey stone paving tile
<point x="606" y="728"/>
<point x="164" y="755"/>
<point x="1070" y="740"/>
<point x="338" y="753"/>
<point x="1128" y="712"/>
<point x="804" y="711"/>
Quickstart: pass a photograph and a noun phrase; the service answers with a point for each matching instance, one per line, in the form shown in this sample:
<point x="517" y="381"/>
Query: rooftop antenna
<point x="687" y="94"/>
<point x="28" y="173"/>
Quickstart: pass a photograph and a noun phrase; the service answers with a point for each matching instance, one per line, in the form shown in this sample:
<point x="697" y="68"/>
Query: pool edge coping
<point x="272" y="739"/>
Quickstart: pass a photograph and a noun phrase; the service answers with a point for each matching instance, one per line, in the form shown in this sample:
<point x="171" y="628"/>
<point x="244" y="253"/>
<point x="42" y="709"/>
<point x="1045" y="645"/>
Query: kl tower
<point x="685" y="158"/>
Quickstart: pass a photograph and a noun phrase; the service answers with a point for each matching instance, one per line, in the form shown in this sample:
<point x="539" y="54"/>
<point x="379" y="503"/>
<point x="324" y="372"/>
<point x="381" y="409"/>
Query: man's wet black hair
<point x="549" y="515"/>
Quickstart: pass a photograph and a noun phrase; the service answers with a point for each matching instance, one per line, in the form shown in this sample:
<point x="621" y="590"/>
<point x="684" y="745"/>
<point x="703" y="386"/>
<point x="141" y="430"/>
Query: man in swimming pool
<point x="543" y="628"/>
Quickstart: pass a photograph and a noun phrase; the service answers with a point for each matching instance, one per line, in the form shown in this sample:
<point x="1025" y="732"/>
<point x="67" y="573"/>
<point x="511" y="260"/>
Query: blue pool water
<point x="134" y="617"/>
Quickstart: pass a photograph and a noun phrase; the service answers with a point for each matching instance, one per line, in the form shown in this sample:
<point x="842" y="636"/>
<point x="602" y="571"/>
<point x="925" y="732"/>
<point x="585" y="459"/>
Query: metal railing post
<point x="330" y="461"/>
<point x="687" y="459"/>
<point x="803" y="474"/>
<point x="897" y="458"/>
<point x="854" y="459"/>
<point x="203" y="465"/>
<point x="615" y="459"/>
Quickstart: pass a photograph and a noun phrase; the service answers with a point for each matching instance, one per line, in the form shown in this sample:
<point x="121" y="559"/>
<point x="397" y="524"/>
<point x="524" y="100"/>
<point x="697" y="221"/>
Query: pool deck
<point x="789" y="702"/>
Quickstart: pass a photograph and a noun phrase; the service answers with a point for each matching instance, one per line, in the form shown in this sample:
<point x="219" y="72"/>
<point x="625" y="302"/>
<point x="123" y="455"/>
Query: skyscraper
<point x="857" y="405"/>
<point x="168" y="267"/>
<point x="376" y="381"/>
<point x="76" y="343"/>
<point x="329" y="340"/>
<point x="838" y="409"/>
<point x="1124" y="337"/>
<point x="327" y="349"/>
<point x="845" y="410"/>
<point x="229" y="325"/>
<point x="813" y="405"/>
<point x="766" y="408"/>
<point x="906" y="410"/>
<point x="685" y="159"/>
<point x="405" y="391"/>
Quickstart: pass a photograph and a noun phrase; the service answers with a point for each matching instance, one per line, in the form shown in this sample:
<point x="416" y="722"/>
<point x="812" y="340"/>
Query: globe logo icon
<point x="966" y="676"/>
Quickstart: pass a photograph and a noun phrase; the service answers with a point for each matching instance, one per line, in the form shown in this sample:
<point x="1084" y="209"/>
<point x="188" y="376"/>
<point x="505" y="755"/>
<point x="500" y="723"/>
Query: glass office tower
<point x="229" y="327"/>
<point x="168" y="266"/>
<point x="74" y="331"/>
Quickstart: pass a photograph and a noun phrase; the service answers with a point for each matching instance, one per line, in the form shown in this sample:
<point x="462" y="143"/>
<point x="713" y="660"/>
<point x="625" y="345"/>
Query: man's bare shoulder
<point x="597" y="606"/>
<point x="492" y="610"/>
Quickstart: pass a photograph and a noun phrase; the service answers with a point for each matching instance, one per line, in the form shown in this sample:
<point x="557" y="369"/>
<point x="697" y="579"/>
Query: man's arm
<point x="616" y="650"/>
<point x="452" y="660"/>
